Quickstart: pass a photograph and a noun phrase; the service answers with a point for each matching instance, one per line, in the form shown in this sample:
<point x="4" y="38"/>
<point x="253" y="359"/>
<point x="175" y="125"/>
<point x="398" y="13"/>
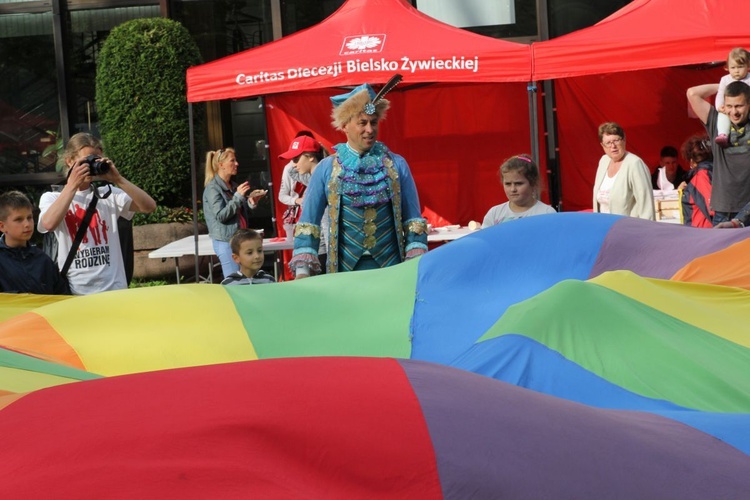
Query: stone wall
<point x="150" y="237"/>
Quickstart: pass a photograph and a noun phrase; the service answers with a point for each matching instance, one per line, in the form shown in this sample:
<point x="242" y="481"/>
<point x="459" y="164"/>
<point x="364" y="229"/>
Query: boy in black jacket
<point x="24" y="268"/>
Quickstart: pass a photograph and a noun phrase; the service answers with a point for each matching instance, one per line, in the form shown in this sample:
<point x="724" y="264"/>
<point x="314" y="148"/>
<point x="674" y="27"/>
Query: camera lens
<point x="97" y="166"/>
<point x="101" y="167"/>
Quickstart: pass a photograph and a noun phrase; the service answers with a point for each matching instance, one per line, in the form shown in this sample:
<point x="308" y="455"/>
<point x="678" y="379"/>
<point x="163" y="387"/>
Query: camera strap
<point x="97" y="194"/>
<point x="80" y="233"/>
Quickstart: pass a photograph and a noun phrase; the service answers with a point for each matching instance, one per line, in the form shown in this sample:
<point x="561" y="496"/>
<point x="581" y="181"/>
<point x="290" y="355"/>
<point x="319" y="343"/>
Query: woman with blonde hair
<point x="226" y="204"/>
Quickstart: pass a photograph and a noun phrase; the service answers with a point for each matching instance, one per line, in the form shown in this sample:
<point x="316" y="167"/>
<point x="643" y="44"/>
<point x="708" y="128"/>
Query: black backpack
<point x="49" y="241"/>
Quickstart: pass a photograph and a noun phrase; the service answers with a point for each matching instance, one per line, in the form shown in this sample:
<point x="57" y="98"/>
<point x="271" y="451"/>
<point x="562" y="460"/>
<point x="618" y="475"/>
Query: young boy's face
<point x="18" y="227"/>
<point x="250" y="258"/>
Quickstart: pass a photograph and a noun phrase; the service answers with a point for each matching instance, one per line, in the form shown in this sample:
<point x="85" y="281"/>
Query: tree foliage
<point x="142" y="104"/>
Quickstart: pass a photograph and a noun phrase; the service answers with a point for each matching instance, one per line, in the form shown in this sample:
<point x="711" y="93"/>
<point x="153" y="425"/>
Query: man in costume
<point x="373" y="206"/>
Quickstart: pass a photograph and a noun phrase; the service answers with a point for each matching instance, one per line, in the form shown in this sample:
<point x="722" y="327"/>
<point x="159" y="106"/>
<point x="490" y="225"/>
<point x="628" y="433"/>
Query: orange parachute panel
<point x="31" y="334"/>
<point x="728" y="267"/>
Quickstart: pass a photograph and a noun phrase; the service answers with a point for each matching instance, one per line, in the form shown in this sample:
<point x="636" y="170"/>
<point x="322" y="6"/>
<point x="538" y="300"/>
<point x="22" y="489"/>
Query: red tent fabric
<point x="646" y="34"/>
<point x="650" y="105"/>
<point x="454" y="133"/>
<point x="454" y="149"/>
<point x="634" y="68"/>
<point x="454" y="136"/>
<point x="364" y="40"/>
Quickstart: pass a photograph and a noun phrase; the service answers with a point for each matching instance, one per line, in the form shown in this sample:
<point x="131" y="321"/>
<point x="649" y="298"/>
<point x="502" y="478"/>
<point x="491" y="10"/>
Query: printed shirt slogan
<point x="96" y="238"/>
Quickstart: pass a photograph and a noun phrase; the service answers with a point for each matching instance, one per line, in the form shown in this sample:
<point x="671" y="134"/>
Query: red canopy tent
<point x="364" y="40"/>
<point x="627" y="68"/>
<point x="646" y="34"/>
<point x="632" y="68"/>
<point x="454" y="133"/>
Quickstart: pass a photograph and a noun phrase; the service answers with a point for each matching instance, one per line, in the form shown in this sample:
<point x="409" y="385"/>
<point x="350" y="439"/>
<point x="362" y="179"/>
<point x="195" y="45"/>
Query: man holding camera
<point x="98" y="263"/>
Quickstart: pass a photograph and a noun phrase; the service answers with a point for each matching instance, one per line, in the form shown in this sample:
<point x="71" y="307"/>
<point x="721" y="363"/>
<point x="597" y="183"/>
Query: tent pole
<point x="550" y="120"/>
<point x="193" y="185"/>
<point x="533" y="122"/>
<point x="269" y="186"/>
<point x="553" y="161"/>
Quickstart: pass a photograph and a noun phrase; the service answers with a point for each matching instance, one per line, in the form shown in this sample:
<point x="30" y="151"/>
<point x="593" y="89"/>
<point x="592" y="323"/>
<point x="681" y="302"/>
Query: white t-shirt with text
<point x="98" y="265"/>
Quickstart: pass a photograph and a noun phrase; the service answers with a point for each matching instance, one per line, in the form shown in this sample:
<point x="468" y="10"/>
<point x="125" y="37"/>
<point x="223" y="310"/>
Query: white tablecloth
<point x="186" y="246"/>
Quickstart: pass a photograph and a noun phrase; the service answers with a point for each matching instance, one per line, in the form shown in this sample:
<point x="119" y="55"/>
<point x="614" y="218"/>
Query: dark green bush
<point x="163" y="214"/>
<point x="143" y="112"/>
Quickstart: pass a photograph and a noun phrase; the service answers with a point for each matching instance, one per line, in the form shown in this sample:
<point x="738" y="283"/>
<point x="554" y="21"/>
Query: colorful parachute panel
<point x="638" y="323"/>
<point x="347" y="428"/>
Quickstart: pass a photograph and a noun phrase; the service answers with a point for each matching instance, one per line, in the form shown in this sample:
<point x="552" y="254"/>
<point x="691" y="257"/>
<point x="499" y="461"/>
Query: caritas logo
<point x="362" y="44"/>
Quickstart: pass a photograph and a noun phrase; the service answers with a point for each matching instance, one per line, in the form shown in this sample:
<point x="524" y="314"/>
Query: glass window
<point x="297" y="15"/>
<point x="566" y="16"/>
<point x="29" y="113"/>
<point x="221" y="29"/>
<point x="470" y="12"/>
<point x="224" y="28"/>
<point x="518" y="17"/>
<point x="88" y="30"/>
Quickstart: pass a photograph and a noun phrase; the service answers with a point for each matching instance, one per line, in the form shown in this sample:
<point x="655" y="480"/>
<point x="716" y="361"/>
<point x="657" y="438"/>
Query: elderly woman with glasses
<point x="226" y="204"/>
<point x="623" y="182"/>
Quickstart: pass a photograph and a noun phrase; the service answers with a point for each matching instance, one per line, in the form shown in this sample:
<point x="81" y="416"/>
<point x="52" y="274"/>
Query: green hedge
<point x="163" y="215"/>
<point x="142" y="104"/>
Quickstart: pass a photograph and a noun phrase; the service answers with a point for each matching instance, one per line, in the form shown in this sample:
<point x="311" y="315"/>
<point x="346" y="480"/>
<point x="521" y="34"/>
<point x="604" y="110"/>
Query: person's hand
<point x="682" y="185"/>
<point x="301" y="276"/>
<point x="256" y="194"/>
<point x="725" y="225"/>
<point x="79" y="175"/>
<point x="243" y="188"/>
<point x="298" y="201"/>
<point x="112" y="175"/>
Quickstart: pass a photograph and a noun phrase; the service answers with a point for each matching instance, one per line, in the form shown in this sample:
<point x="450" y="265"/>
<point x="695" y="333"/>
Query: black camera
<point x="97" y="165"/>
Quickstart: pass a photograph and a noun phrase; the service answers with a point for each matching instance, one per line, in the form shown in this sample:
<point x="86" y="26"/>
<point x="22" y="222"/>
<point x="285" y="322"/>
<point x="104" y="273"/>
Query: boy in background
<point x="24" y="268"/>
<point x="247" y="252"/>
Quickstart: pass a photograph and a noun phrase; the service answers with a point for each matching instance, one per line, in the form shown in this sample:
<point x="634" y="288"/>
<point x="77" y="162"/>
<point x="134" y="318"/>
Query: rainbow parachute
<point x="567" y="355"/>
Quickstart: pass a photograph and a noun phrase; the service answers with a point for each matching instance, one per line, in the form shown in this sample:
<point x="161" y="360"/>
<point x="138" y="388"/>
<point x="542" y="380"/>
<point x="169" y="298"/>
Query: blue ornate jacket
<point x="356" y="188"/>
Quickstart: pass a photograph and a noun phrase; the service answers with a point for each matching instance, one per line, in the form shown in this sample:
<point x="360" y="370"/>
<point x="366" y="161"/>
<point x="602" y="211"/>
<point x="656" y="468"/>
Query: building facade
<point x="49" y="50"/>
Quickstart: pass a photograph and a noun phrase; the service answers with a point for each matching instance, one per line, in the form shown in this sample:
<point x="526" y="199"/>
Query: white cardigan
<point x="632" y="193"/>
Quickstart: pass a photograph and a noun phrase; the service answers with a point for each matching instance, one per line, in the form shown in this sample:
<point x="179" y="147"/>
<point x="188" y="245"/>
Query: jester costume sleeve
<point x="373" y="209"/>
